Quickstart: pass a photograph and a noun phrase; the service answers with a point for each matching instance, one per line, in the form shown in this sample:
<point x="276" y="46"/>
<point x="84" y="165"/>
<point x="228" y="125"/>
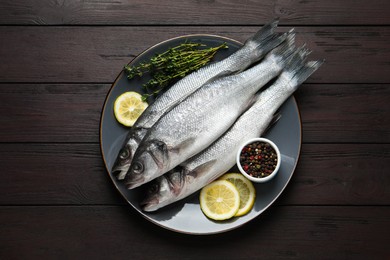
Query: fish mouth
<point x="120" y="171"/>
<point x="149" y="204"/>
<point x="134" y="182"/>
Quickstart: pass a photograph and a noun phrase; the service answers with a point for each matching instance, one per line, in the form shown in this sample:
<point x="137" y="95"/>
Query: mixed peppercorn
<point x="258" y="159"/>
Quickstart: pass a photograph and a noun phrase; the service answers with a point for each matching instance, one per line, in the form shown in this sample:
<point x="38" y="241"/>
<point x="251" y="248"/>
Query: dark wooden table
<point x="58" y="60"/>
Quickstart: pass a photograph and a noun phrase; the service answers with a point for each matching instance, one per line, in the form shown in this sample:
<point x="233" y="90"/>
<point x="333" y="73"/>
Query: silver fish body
<point x="201" y="118"/>
<point x="253" y="50"/>
<point x="218" y="158"/>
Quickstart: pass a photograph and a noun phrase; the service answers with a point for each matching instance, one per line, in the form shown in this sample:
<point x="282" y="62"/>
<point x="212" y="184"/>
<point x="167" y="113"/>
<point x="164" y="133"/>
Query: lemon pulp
<point x="219" y="200"/>
<point x="245" y="189"/>
<point x="128" y="107"/>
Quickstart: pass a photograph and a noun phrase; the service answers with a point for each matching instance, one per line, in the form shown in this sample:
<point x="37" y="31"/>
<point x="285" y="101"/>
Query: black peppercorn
<point x="258" y="159"/>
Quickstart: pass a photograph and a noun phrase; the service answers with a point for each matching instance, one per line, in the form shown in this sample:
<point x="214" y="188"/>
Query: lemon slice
<point x="246" y="190"/>
<point x="219" y="200"/>
<point x="128" y="107"/>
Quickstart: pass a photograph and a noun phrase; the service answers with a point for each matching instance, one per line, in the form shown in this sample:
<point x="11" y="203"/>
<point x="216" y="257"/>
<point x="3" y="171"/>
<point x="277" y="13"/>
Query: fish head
<point x="163" y="190"/>
<point x="149" y="162"/>
<point x="126" y="154"/>
<point x="123" y="160"/>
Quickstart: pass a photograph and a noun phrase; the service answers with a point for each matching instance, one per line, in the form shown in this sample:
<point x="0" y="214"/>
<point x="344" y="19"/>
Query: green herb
<point x="173" y="64"/>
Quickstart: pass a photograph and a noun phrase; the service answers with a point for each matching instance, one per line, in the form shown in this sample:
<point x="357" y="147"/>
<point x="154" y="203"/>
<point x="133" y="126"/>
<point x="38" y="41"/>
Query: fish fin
<point x="183" y="145"/>
<point x="281" y="54"/>
<point x="199" y="171"/>
<point x="265" y="31"/>
<point x="270" y="43"/>
<point x="288" y="46"/>
<point x="297" y="59"/>
<point x="276" y="117"/>
<point x="290" y="38"/>
<point x="309" y="68"/>
<point x="298" y="71"/>
<point x="265" y="39"/>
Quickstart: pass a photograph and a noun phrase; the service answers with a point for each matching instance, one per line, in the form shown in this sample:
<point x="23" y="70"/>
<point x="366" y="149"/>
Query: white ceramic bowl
<point x="259" y="179"/>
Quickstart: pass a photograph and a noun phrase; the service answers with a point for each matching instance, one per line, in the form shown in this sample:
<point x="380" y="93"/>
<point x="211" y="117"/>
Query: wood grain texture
<point x="330" y="113"/>
<point x="104" y="232"/>
<point x="74" y="174"/>
<point x="187" y="12"/>
<point x="336" y="174"/>
<point x="356" y="113"/>
<point x="58" y="60"/>
<point x="51" y="112"/>
<point x="55" y="174"/>
<point x="97" y="54"/>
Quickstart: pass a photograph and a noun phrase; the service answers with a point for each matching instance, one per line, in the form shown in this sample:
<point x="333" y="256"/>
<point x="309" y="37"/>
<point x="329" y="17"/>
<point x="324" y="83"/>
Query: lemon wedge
<point x="128" y="107"/>
<point x="246" y="190"/>
<point x="219" y="200"/>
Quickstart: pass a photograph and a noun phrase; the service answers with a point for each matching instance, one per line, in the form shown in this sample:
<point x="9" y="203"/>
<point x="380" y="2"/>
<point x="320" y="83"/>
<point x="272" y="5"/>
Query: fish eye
<point x="137" y="167"/>
<point x="153" y="188"/>
<point x="124" y="153"/>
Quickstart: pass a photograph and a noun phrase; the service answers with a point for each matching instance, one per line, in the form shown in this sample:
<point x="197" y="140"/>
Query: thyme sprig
<point x="173" y="64"/>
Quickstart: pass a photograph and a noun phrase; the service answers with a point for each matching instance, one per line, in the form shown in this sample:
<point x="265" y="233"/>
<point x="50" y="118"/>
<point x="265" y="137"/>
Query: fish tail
<point x="282" y="53"/>
<point x="306" y="70"/>
<point x="270" y="43"/>
<point x="265" y="31"/>
<point x="297" y="69"/>
<point x="265" y="40"/>
<point x="297" y="59"/>
<point x="287" y="47"/>
<point x="290" y="38"/>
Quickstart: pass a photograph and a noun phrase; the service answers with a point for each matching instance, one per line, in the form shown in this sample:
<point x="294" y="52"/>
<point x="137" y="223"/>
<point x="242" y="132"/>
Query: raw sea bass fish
<point x="218" y="158"/>
<point x="252" y="51"/>
<point x="201" y="118"/>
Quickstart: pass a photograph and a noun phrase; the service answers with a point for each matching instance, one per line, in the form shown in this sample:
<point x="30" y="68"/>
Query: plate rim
<point x="115" y="184"/>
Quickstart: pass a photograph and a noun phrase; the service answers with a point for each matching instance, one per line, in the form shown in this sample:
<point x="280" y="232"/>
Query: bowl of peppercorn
<point x="259" y="159"/>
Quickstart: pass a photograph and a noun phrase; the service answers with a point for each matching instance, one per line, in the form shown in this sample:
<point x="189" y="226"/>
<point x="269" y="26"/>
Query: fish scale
<point x="201" y="118"/>
<point x="219" y="157"/>
<point x="238" y="61"/>
<point x="252" y="51"/>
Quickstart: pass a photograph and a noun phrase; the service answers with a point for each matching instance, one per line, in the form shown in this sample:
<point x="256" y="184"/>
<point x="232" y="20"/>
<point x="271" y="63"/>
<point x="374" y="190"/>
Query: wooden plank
<point x="344" y="112"/>
<point x="97" y="54"/>
<point x="280" y="233"/>
<point x="333" y="174"/>
<point x="51" y="112"/>
<point x="150" y="12"/>
<point x="55" y="174"/>
<point x="329" y="113"/>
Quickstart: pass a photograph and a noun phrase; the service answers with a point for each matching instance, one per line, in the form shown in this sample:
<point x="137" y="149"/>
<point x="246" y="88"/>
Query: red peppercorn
<point x="258" y="159"/>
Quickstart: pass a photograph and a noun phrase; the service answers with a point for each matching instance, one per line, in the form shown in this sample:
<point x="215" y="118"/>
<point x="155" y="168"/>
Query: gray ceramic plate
<point x="185" y="216"/>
